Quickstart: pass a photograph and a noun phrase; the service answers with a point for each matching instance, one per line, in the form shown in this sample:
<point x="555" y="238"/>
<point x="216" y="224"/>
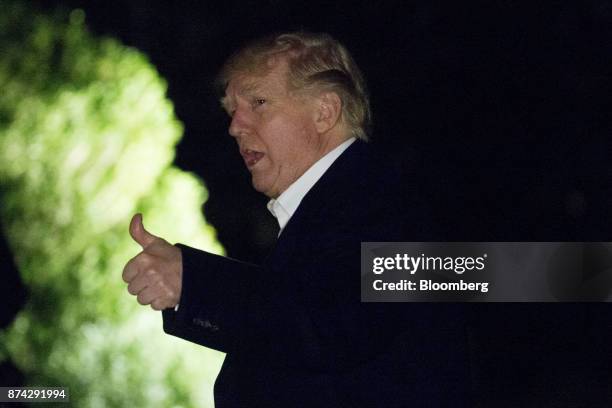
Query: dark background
<point x="505" y="106"/>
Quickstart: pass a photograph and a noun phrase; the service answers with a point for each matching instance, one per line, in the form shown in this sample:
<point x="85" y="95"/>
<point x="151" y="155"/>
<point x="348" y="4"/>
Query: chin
<point x="260" y="188"/>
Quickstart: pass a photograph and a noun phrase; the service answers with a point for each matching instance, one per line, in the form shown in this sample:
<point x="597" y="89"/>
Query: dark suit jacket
<point x="294" y="329"/>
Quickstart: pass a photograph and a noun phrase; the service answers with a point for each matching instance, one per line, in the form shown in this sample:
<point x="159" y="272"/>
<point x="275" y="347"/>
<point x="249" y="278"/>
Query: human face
<point x="274" y="128"/>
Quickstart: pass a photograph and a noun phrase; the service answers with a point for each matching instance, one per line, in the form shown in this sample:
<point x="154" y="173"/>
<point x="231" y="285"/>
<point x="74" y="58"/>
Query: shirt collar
<point x="283" y="207"/>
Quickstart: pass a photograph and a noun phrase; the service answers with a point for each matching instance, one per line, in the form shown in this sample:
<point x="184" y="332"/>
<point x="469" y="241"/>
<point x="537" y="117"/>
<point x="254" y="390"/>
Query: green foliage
<point x="87" y="139"/>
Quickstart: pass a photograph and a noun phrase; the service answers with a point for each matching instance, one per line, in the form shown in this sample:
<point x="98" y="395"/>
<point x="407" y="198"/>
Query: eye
<point x="258" y="102"/>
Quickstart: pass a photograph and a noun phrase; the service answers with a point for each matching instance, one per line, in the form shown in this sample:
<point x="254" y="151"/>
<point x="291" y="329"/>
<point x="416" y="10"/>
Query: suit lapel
<point x="315" y="203"/>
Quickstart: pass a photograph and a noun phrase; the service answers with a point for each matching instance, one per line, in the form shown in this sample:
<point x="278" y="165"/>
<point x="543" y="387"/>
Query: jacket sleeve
<point x="315" y="322"/>
<point x="256" y="312"/>
<point x="212" y="285"/>
<point x="313" y="318"/>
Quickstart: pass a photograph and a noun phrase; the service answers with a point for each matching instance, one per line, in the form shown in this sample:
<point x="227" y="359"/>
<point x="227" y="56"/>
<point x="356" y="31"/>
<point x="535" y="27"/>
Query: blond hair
<point x="316" y="62"/>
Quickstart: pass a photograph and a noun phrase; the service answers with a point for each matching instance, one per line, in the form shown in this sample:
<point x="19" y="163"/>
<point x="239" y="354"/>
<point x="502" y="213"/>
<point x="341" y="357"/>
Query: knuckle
<point x="157" y="305"/>
<point x="170" y="293"/>
<point x="145" y="258"/>
<point x="150" y="271"/>
<point x="168" y="290"/>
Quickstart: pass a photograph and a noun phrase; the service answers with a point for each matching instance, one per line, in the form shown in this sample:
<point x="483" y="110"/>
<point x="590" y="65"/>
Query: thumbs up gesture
<point x="155" y="274"/>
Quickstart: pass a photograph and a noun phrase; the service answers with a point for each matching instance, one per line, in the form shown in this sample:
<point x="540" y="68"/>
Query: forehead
<point x="272" y="81"/>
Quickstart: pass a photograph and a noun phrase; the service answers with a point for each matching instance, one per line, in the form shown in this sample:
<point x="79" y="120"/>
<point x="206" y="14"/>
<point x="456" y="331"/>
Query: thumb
<point x="139" y="233"/>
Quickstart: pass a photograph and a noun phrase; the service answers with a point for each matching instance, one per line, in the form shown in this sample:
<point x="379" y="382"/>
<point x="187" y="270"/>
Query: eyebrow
<point x="247" y="90"/>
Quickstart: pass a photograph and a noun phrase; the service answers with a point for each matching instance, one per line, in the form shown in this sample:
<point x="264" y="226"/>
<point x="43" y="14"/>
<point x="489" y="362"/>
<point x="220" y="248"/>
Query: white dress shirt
<point x="283" y="207"/>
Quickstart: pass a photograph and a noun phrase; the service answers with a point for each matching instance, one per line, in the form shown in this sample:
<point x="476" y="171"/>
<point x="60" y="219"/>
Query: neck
<point x="333" y="139"/>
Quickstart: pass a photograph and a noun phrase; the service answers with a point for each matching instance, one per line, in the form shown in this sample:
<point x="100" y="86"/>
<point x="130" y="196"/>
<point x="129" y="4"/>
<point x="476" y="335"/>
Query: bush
<point x="87" y="138"/>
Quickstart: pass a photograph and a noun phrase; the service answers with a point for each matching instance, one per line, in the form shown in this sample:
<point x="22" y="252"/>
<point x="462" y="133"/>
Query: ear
<point x="328" y="111"/>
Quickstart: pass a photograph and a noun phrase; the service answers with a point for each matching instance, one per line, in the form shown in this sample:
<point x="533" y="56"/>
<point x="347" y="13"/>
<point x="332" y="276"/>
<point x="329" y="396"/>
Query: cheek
<point x="280" y="137"/>
<point x="288" y="139"/>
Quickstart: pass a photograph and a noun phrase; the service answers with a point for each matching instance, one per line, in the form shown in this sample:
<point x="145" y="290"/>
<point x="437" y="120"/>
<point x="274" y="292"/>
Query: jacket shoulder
<point x="370" y="192"/>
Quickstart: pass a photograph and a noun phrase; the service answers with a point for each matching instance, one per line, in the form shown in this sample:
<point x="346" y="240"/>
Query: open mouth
<point x="251" y="157"/>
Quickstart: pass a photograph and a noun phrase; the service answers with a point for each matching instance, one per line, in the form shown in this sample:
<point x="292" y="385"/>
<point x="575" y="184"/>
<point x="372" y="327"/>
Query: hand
<point x="155" y="274"/>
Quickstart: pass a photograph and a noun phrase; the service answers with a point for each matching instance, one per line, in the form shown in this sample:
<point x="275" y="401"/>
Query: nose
<point x="240" y="124"/>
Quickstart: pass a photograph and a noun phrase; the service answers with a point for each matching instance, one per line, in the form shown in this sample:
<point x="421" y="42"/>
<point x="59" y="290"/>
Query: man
<point x="294" y="329"/>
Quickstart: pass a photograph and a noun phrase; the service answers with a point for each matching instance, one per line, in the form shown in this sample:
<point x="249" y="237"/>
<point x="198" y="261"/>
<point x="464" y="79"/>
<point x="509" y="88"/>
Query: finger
<point x="146" y="296"/>
<point x="139" y="233"/>
<point x="130" y="271"/>
<point x="158" y="304"/>
<point x="137" y="264"/>
<point x="139" y="283"/>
